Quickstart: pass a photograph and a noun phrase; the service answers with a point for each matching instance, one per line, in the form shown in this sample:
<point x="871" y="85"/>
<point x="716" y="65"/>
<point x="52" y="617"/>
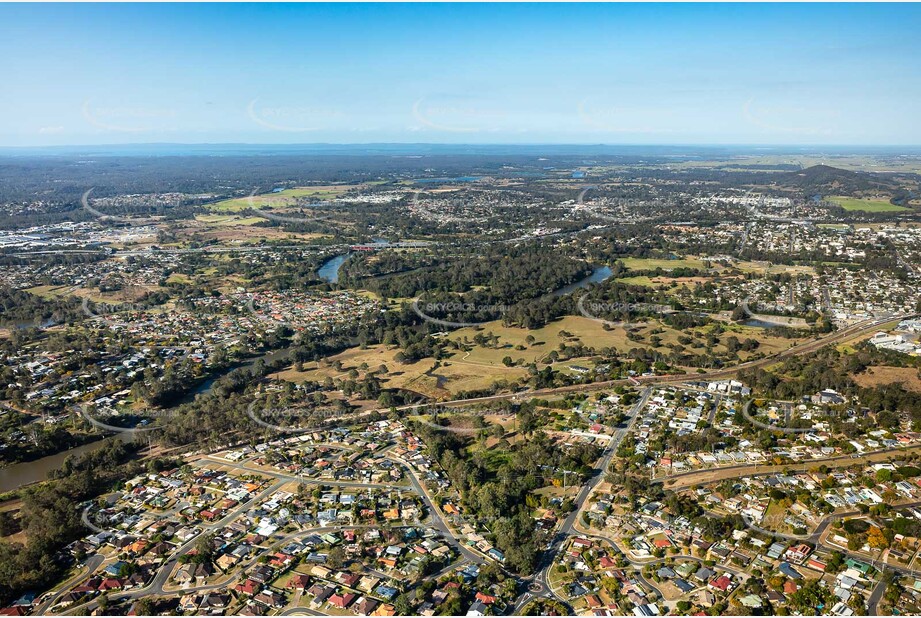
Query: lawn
<point x="179" y="278"/>
<point x="223" y="220"/>
<point x="479" y="367"/>
<point x="652" y="264"/>
<point x="288" y="197"/>
<point x="451" y="377"/>
<point x="866" y="205"/>
<point x="908" y="377"/>
<point x="773" y="269"/>
<point x="557" y="581"/>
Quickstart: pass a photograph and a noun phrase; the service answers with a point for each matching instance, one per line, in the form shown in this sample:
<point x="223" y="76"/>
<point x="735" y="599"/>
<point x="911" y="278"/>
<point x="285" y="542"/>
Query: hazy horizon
<point x="448" y="148"/>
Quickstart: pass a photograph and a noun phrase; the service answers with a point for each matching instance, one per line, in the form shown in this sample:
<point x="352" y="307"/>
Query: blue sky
<point x="460" y="73"/>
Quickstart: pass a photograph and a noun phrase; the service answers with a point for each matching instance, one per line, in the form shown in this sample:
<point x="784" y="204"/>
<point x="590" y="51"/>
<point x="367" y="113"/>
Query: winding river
<point x="17" y="475"/>
<point x="329" y="271"/>
<point x="28" y="472"/>
<point x="598" y="275"/>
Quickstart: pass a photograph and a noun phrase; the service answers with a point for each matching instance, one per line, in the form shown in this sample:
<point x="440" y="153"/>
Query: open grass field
<point x="230" y="228"/>
<point x="451" y="377"/>
<point x="288" y="197"/>
<point x="880" y="375"/>
<point x="480" y="366"/>
<point x="546" y="339"/>
<point x="122" y="296"/>
<point x="663" y="282"/>
<point x="466" y="424"/>
<point x="591" y="333"/>
<point x="769" y="344"/>
<point x="652" y="264"/>
<point x="866" y="205"/>
<point x="774" y="516"/>
<point x="50" y="291"/>
<point x="647" y="282"/>
<point x="763" y="268"/>
<point x="179" y="278"/>
<point x="217" y="220"/>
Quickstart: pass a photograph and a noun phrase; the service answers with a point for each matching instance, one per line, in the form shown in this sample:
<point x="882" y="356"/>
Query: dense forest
<point x="23" y="309"/>
<point x="511" y="273"/>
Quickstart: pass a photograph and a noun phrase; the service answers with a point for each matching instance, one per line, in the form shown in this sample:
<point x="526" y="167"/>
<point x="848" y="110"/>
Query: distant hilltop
<point x="827" y="180"/>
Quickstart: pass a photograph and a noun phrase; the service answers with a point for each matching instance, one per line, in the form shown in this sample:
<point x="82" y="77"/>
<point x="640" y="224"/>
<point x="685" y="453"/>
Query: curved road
<point x="567" y="528"/>
<point x="157" y="585"/>
<point x="92" y="563"/>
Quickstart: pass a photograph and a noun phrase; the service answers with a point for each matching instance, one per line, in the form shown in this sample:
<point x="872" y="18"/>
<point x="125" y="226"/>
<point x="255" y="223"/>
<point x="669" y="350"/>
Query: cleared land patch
<point x="223" y="220"/>
<point x="866" y="205"/>
<point x="422" y="376"/>
<point x="478" y="366"/>
<point x="652" y="264"/>
<point x="281" y="199"/>
<point x="880" y="375"/>
<point x="662" y="282"/>
<point x="773" y="269"/>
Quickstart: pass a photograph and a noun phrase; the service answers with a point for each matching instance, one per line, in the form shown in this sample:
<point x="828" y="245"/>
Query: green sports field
<point x="288" y="197"/>
<point x="652" y="264"/>
<point x="866" y="205"/>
